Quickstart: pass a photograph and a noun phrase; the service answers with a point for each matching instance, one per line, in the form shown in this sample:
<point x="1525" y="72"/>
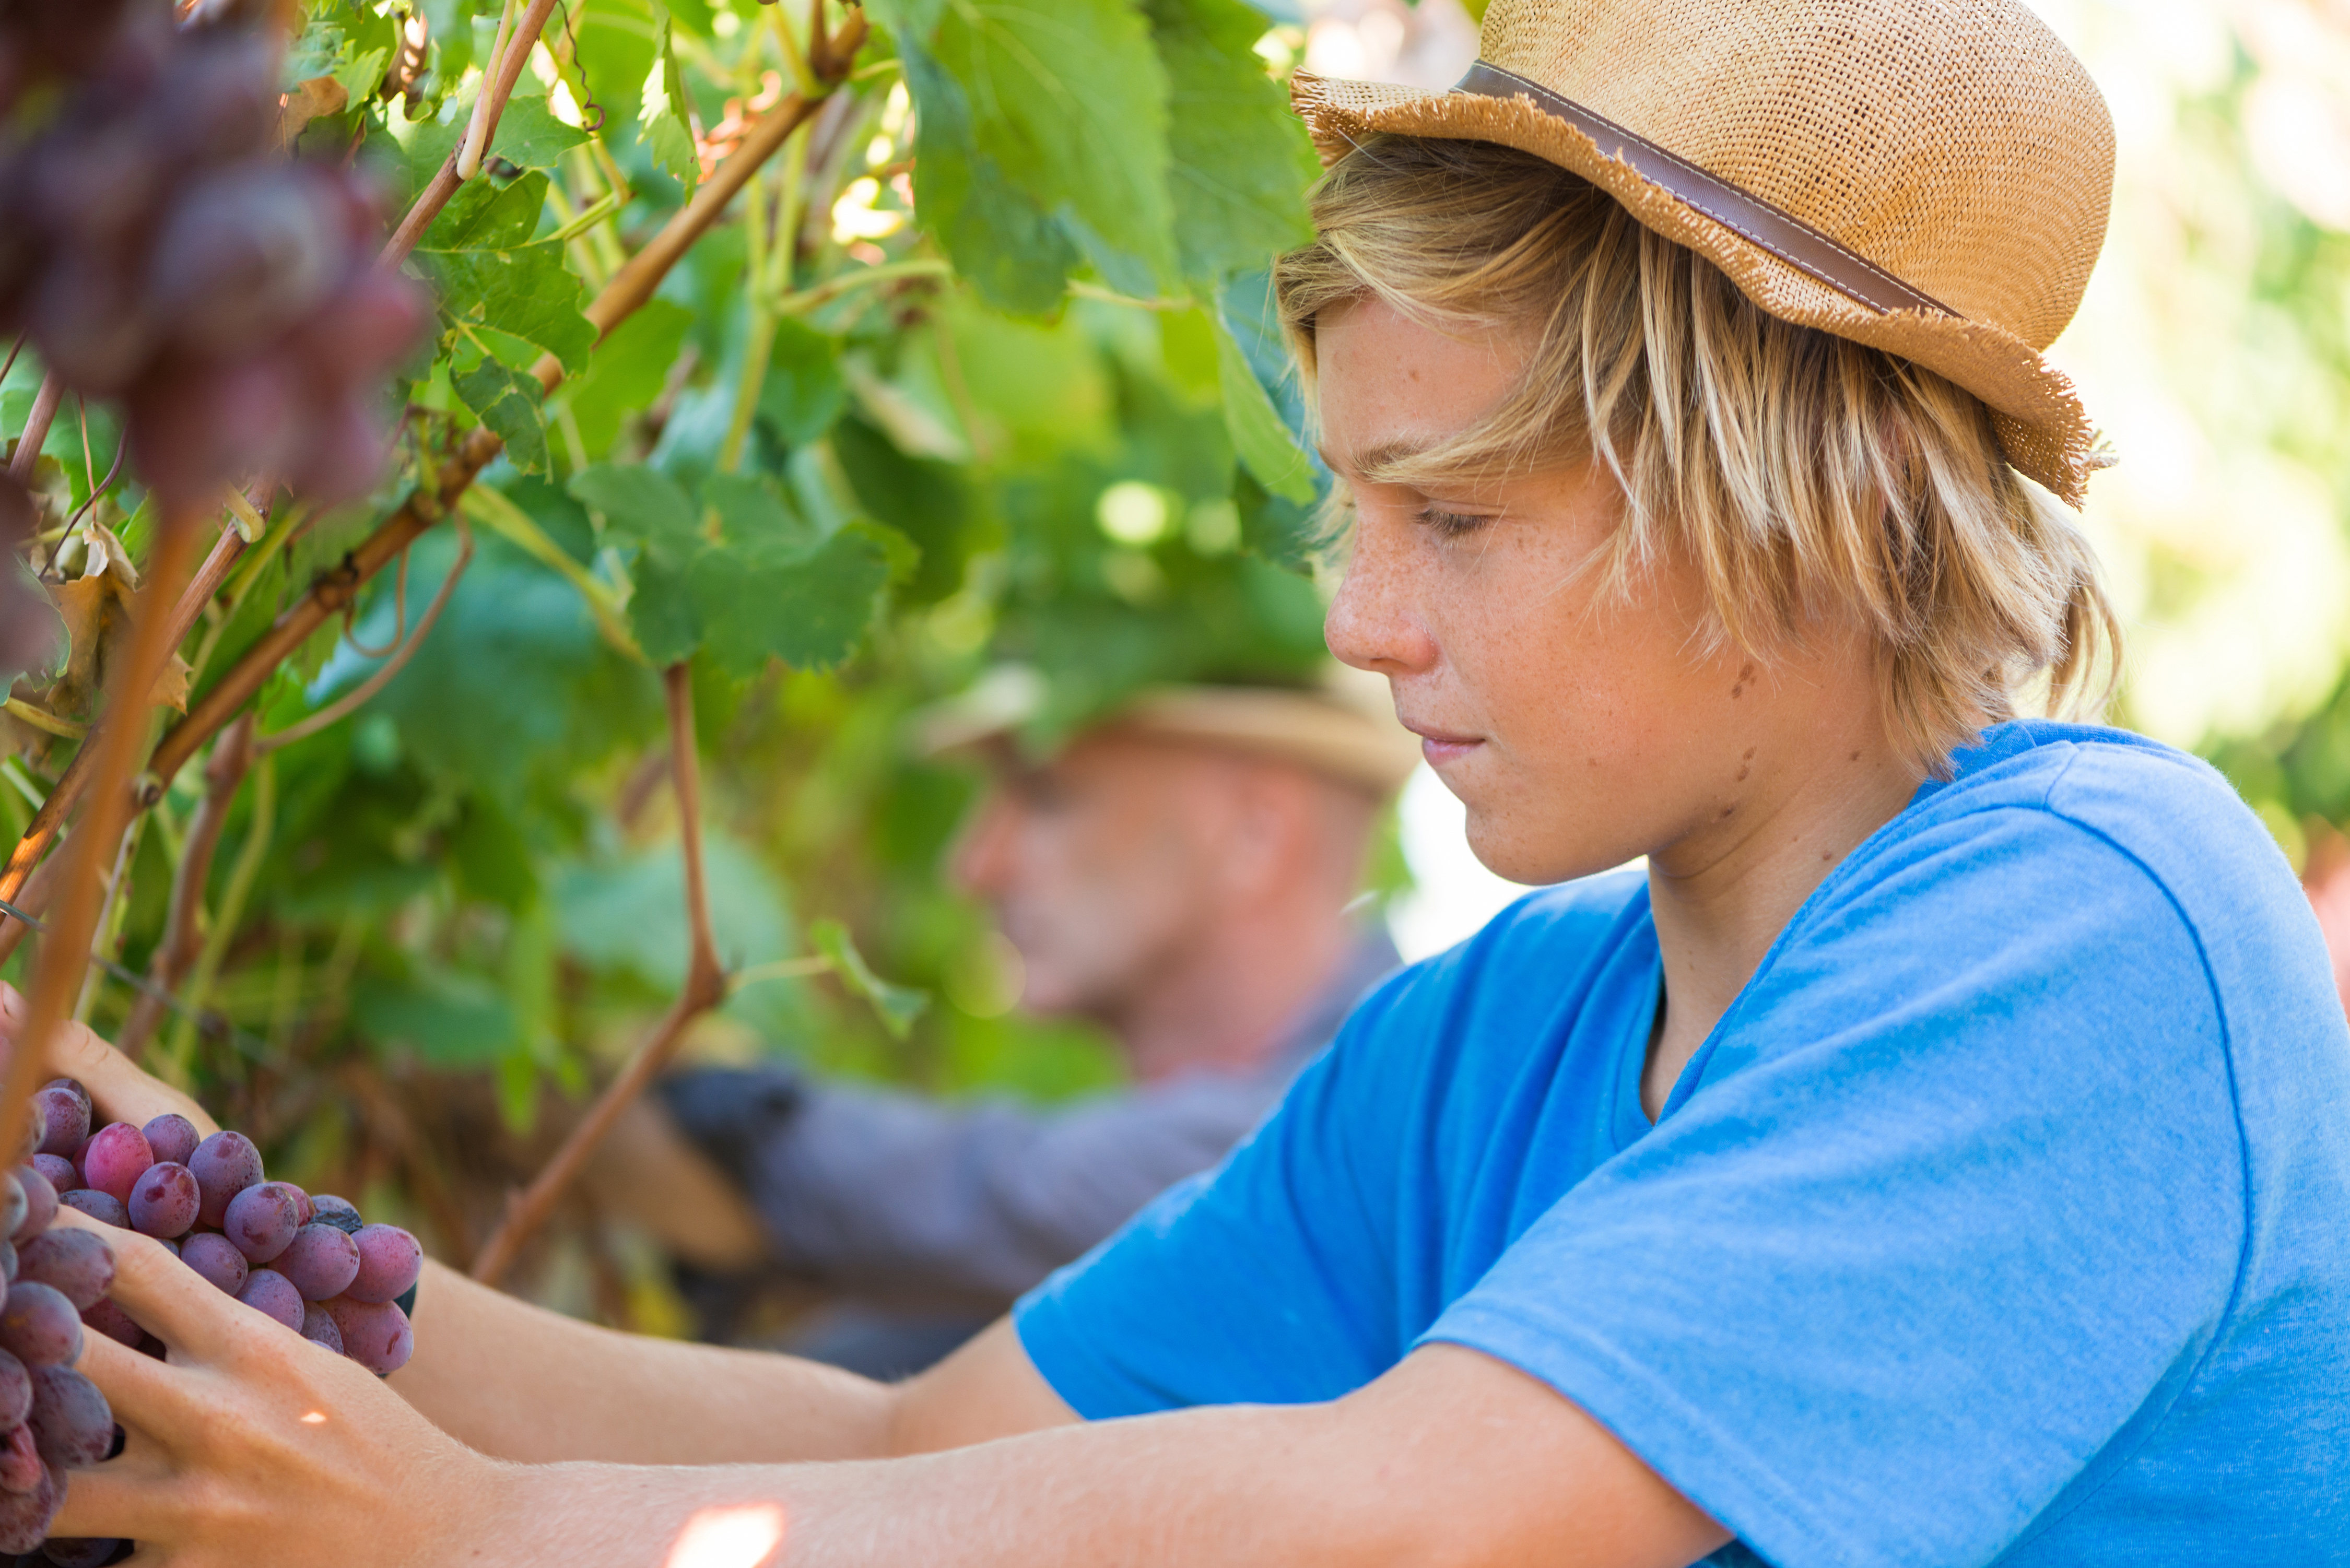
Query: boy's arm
<point x="518" y="1382"/>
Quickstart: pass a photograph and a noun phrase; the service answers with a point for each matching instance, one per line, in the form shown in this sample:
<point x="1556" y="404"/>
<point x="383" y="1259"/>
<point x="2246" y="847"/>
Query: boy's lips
<point x="1442" y="746"/>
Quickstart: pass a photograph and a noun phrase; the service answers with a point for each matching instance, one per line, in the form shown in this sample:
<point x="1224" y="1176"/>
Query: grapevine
<point x="402" y="267"/>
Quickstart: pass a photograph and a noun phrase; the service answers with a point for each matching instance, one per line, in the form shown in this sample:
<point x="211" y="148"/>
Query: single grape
<point x="65" y="1116"/>
<point x="77" y="1262"/>
<point x="39" y="1326"/>
<point x="319" y="1327"/>
<point x="72" y="1425"/>
<point x="58" y="1172"/>
<point x="302" y="1200"/>
<point x="102" y="1207"/>
<point x="111" y="1321"/>
<point x="164" y="1202"/>
<point x="72" y="1086"/>
<point x="78" y="1551"/>
<point x="261" y="1220"/>
<point x="16" y="1391"/>
<point x="13" y="1205"/>
<point x="173" y="1137"/>
<point x="271" y="1294"/>
<point x="40" y="1201"/>
<point x="389" y="1260"/>
<point x="118" y="1158"/>
<point x="322" y="1261"/>
<point x="338" y="1213"/>
<point x="20" y="1462"/>
<point x="215" y="1257"/>
<point x="25" y="1515"/>
<point x="226" y="1164"/>
<point x="375" y="1334"/>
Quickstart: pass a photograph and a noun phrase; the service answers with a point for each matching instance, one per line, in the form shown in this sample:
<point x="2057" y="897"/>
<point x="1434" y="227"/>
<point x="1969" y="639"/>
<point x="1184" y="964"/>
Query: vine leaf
<point x="1042" y="142"/>
<point x="530" y="137"/>
<point x="489" y="272"/>
<point x="1263" y="444"/>
<point x="896" y="1006"/>
<point x="628" y="372"/>
<point x="768" y="586"/>
<point x="508" y="401"/>
<point x="1240" y="161"/>
<point x="660" y="119"/>
<point x="96" y="612"/>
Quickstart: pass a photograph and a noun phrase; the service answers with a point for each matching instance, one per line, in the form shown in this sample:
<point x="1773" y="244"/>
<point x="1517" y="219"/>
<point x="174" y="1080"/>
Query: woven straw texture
<point x="1955" y="144"/>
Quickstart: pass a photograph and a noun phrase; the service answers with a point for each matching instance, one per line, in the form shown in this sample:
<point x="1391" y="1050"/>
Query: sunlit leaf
<point x="896" y="1006"/>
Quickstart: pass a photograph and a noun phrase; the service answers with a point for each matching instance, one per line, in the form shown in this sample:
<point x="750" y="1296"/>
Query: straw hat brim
<point x="2041" y="424"/>
<point x="1337" y="730"/>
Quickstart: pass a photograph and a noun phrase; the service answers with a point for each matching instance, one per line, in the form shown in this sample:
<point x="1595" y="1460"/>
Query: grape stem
<point x="42" y="831"/>
<point x="37" y="428"/>
<point x="116" y="745"/>
<point x="705" y="987"/>
<point x="183" y="934"/>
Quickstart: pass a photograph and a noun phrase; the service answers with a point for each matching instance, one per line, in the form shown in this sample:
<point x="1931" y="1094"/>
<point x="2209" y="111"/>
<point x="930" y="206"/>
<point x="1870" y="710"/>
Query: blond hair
<point x="1807" y="476"/>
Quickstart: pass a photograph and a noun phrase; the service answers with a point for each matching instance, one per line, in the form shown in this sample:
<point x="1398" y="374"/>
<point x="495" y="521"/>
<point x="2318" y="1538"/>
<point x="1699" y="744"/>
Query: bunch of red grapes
<point x="161" y="249"/>
<point x="308" y="1261"/>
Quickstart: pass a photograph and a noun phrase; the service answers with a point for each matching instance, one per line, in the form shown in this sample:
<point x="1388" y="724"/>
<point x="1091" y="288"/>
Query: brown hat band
<point x="1789" y="238"/>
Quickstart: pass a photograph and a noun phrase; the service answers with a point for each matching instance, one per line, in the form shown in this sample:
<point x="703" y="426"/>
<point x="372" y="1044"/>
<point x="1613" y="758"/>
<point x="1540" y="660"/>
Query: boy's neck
<point x="1722" y="896"/>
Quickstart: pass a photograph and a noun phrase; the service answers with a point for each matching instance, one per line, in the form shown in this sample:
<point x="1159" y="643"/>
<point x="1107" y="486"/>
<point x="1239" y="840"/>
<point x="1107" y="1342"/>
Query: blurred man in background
<point x="1184" y="874"/>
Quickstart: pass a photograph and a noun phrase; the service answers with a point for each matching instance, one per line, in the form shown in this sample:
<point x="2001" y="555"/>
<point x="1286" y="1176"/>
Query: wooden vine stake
<point x="705" y="988"/>
<point x="119" y="744"/>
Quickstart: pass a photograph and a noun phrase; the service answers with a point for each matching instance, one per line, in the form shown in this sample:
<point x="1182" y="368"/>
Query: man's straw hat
<point x="1342" y="729"/>
<point x="1928" y="177"/>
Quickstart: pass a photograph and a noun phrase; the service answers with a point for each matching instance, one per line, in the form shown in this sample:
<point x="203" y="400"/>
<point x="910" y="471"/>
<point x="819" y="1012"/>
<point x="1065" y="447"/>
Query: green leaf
<point x="1285" y="532"/>
<point x="808" y="609"/>
<point x="487" y="269"/>
<point x="1037" y="118"/>
<point x="803" y="392"/>
<point x="753" y="515"/>
<point x="642" y="505"/>
<point x="351" y="44"/>
<point x="448" y="1017"/>
<point x="660" y="119"/>
<point x="662" y="615"/>
<point x="1241" y="160"/>
<point x="508" y="402"/>
<point x="626" y="372"/>
<point x="1263" y="442"/>
<point x="896" y="1006"/>
<point x="531" y="137"/>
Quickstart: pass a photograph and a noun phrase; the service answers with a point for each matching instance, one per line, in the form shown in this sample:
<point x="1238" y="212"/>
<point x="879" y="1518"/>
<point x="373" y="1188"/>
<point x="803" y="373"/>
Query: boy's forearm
<point x="520" y="1382"/>
<point x="1452" y="1461"/>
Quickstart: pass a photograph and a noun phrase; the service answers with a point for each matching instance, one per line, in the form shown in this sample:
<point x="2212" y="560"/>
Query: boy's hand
<point x="119" y="1090"/>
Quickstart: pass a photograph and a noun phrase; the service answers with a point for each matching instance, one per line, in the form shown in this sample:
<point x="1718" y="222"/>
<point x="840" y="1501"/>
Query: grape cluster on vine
<point x="309" y="1263"/>
<point x="161" y="249"/>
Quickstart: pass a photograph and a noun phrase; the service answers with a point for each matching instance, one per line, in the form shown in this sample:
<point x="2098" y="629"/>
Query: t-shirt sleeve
<point x="1263" y="1280"/>
<point x="1953" y="1198"/>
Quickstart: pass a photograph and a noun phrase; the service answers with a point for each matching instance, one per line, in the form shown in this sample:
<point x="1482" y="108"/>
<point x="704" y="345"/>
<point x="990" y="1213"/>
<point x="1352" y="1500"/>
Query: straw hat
<point x="1928" y="177"/>
<point x="1342" y="729"/>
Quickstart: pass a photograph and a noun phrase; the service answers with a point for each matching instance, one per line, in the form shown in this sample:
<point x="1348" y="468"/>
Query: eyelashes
<point x="1450" y="524"/>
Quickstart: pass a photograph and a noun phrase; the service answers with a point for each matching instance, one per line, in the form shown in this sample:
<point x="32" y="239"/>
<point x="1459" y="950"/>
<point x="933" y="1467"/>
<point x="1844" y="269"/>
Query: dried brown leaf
<point x="306" y="102"/>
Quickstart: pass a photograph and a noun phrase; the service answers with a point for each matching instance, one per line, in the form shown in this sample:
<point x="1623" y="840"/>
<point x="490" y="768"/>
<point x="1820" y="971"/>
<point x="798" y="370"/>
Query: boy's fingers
<point x="144" y="1392"/>
<point x="135" y="1496"/>
<point x="162" y="1294"/>
<point x="119" y="1090"/>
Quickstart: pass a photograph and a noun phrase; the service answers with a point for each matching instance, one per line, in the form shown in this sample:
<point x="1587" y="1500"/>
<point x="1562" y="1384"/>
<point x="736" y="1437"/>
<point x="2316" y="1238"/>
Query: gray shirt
<point x="898" y="1198"/>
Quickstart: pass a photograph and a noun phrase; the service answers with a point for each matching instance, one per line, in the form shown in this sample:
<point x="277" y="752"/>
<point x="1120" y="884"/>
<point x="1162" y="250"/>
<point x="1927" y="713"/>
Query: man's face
<point x="1098" y="865"/>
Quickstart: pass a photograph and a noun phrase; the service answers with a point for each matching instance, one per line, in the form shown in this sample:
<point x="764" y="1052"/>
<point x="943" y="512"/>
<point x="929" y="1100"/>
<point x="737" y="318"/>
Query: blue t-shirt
<point x="2004" y="1218"/>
